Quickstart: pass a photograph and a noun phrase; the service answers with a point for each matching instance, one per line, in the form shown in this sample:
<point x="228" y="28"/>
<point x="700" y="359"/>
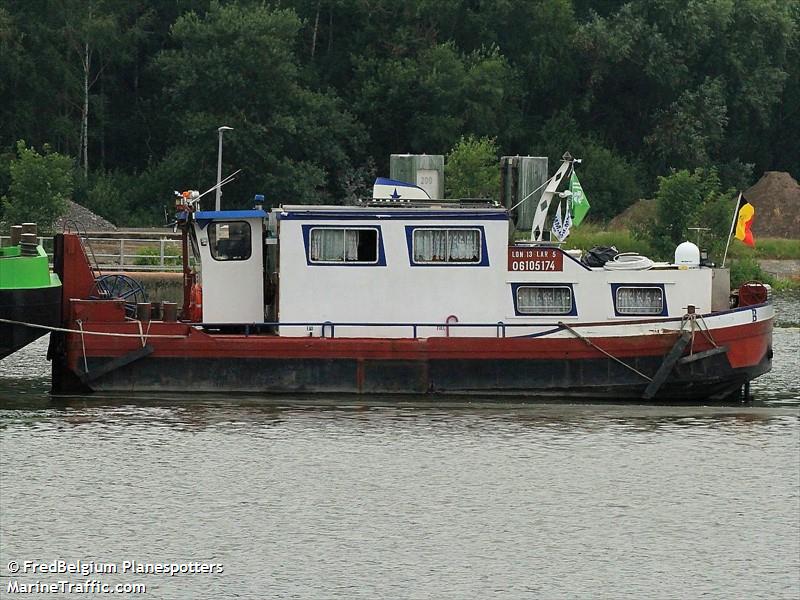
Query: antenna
<point x="699" y="231"/>
<point x="225" y="181"/>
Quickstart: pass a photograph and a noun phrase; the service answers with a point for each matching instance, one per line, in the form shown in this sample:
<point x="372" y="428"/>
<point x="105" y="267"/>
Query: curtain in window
<point x="544" y="300"/>
<point x="332" y="245"/>
<point x="351" y="244"/>
<point x="447" y="245"/>
<point x="327" y="244"/>
<point x="640" y="301"/>
<point x="464" y="245"/>
<point x="430" y="245"/>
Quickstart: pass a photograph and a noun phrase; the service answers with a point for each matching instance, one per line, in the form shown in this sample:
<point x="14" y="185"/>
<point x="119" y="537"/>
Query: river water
<point x="299" y="500"/>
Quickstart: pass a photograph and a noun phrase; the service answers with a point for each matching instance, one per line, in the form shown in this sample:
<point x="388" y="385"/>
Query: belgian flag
<point x="744" y="220"/>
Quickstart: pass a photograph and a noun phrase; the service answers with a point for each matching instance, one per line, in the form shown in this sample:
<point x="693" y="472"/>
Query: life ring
<point x="196" y="303"/>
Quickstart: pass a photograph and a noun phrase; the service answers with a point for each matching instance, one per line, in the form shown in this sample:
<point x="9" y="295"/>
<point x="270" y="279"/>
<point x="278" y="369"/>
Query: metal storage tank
<point x="424" y="170"/>
<point x="519" y="176"/>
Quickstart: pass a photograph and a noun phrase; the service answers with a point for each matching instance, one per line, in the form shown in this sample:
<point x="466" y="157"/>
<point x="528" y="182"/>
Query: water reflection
<point x="409" y="500"/>
<point x="24" y="385"/>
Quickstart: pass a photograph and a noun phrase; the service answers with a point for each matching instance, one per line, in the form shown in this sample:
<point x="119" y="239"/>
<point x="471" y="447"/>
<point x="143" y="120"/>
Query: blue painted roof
<point x="393" y="182"/>
<point x="454" y="214"/>
<point x="226" y="215"/>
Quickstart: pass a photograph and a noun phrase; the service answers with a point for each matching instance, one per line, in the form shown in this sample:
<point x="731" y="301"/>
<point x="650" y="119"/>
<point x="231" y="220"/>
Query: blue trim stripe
<point x="400" y="214"/>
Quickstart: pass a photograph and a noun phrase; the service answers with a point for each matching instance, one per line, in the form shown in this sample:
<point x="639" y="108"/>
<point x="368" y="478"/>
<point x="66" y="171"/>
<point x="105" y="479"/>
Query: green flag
<point x="580" y="205"/>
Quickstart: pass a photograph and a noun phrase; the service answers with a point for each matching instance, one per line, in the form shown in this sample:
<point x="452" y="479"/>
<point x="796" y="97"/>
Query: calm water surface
<point x="413" y="501"/>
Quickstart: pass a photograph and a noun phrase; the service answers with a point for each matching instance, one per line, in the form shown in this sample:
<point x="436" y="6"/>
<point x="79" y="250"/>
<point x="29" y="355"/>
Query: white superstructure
<point x="367" y="270"/>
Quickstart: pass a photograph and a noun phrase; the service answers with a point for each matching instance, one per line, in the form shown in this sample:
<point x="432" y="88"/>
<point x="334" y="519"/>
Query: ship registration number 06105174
<point x="535" y="259"/>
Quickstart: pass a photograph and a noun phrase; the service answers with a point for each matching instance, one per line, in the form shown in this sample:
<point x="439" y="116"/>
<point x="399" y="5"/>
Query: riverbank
<point x="782" y="269"/>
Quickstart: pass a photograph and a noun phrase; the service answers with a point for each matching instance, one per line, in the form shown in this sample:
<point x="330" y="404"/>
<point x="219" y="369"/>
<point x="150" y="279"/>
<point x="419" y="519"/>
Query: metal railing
<point x="418" y="330"/>
<point x="126" y="254"/>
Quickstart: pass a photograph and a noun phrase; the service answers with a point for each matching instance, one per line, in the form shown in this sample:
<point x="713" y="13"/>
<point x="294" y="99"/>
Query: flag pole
<point x="733" y="223"/>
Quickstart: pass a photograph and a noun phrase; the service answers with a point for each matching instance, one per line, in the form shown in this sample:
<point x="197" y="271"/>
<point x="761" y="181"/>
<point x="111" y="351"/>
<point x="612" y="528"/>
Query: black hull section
<point x="40" y="306"/>
<point x="710" y="379"/>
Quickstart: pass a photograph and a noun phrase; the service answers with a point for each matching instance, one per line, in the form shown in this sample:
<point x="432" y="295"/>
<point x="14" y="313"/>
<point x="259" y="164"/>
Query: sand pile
<point x="635" y="216"/>
<point x="776" y="198"/>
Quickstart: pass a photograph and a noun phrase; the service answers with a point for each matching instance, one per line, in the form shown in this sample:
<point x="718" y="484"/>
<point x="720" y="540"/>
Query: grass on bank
<point x="768" y="248"/>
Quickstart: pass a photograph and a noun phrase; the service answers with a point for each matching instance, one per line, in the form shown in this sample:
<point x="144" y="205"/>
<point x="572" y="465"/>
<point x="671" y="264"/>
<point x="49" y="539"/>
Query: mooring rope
<point x="82" y="332"/>
<point x="707" y="332"/>
<point x="697" y="324"/>
<point x="690" y="318"/>
<point x="608" y="354"/>
<point x="142" y="334"/>
<point x="83" y="346"/>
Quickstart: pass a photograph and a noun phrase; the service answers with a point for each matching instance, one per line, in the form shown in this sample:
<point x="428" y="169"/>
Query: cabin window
<point x="447" y="246"/>
<point x="230" y="240"/>
<point x="332" y="245"/>
<point x="640" y="301"/>
<point x="544" y="300"/>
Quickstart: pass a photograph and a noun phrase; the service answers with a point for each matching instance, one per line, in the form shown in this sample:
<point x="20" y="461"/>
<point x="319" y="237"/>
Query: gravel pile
<point x="87" y="220"/>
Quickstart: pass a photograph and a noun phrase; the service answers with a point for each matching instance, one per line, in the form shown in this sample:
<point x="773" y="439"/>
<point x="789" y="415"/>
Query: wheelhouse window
<point x="347" y="245"/>
<point x="639" y="301"/>
<point x="544" y="300"/>
<point x="431" y="246"/>
<point x="230" y="240"/>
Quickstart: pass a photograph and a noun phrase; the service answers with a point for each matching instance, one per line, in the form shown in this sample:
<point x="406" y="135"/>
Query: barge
<point x="409" y="297"/>
<point x="30" y="295"/>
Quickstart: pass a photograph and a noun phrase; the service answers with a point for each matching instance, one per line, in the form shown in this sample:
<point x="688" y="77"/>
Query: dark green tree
<point x="236" y="66"/>
<point x="40" y="186"/>
<point x="471" y="169"/>
<point x="690" y="199"/>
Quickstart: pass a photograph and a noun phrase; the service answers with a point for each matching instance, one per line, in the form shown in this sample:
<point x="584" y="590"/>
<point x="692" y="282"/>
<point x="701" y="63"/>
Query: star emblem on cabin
<point x="395" y="195"/>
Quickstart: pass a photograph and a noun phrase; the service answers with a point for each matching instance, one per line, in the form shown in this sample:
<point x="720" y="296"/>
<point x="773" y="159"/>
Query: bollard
<point x="169" y="311"/>
<point x="155" y="311"/>
<point x="28" y="244"/>
<point x="16" y="234"/>
<point x="143" y="311"/>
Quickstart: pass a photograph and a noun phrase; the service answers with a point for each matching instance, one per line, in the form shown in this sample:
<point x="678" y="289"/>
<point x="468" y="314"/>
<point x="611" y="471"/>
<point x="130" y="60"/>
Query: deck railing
<point x="328" y="329"/>
<point x="126" y="253"/>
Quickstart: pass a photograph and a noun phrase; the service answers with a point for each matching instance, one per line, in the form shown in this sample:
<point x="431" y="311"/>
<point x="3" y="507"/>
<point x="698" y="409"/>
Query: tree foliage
<point x="321" y="92"/>
<point x="691" y="199"/>
<point x="471" y="169"/>
<point x="40" y="187"/>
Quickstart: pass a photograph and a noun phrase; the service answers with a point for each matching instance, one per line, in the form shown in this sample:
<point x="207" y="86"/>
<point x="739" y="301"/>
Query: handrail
<point x="327" y="329"/>
<point x="126" y="254"/>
